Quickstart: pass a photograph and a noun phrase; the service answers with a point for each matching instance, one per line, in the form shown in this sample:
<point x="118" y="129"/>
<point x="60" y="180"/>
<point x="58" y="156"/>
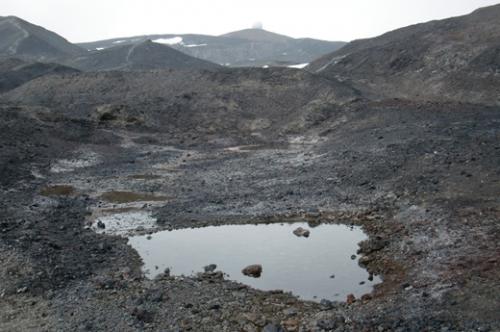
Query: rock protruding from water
<point x="253" y="271"/>
<point x="302" y="232"/>
<point x="210" y="268"/>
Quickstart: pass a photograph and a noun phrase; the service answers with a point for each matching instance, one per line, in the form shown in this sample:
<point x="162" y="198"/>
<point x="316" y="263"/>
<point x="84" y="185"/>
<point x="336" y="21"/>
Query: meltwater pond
<point x="321" y="266"/>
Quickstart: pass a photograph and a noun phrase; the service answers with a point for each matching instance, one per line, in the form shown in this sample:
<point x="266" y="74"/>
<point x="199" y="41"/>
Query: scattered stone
<point x="273" y="328"/>
<point x="142" y="314"/>
<point x="314" y="223"/>
<point x="351" y="299"/>
<point x="353" y="257"/>
<point x="291" y="324"/>
<point x="332" y="276"/>
<point x="301" y="232"/>
<point x="214" y="306"/>
<point x="326" y="304"/>
<point x="101" y="225"/>
<point x="366" y="297"/>
<point x="364" y="260"/>
<point x="22" y="290"/>
<point x="252" y="270"/>
<point x="290" y="312"/>
<point x="210" y="268"/>
<point x="372" y="245"/>
<point x="327" y="324"/>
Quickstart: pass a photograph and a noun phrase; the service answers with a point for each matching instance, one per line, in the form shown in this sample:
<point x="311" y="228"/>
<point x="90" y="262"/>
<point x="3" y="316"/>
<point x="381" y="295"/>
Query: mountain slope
<point x="15" y="72"/>
<point x="23" y="39"/>
<point x="142" y="56"/>
<point x="231" y="102"/>
<point x="455" y="59"/>
<point x="250" y="47"/>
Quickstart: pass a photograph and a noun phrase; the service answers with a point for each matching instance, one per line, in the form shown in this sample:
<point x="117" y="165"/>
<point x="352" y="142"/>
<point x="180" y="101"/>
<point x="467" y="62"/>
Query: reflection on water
<point x="318" y="267"/>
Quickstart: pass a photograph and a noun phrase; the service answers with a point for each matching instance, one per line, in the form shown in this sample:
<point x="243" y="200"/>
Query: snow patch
<point x="299" y="66"/>
<point x="169" y="41"/>
<point x="99" y="48"/>
<point x="119" y="41"/>
<point x="195" y="45"/>
<point x="84" y="159"/>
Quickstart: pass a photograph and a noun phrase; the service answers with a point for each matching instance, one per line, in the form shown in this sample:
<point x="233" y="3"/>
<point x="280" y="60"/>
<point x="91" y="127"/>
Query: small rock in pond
<point x="301" y="232"/>
<point x="253" y="270"/>
<point x="332" y="276"/>
<point x="353" y="257"/>
<point x="101" y="225"/>
<point x="210" y="268"/>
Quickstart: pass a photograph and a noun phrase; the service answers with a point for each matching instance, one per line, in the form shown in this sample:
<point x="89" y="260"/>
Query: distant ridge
<point x="22" y="39"/>
<point x="455" y="59"/>
<point x="244" y="48"/>
<point x="141" y="56"/>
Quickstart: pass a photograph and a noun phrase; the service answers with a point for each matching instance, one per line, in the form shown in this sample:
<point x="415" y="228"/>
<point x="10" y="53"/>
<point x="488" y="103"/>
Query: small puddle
<point x="318" y="267"/>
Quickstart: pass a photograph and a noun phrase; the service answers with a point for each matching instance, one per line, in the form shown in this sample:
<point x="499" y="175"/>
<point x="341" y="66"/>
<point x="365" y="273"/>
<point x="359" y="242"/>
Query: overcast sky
<point x="87" y="20"/>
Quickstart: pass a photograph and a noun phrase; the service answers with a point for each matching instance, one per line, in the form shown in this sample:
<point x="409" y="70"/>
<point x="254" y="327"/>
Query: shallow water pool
<point x="321" y="266"/>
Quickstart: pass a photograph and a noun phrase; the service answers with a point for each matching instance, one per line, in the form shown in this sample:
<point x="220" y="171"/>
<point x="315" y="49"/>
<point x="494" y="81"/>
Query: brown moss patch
<point x="58" y="190"/>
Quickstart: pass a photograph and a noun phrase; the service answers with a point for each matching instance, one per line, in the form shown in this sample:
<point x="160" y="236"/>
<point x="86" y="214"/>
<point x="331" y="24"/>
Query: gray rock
<point x="273" y="328"/>
<point x="210" y="268"/>
<point x="301" y="232"/>
<point x="326" y="304"/>
<point x="252" y="270"/>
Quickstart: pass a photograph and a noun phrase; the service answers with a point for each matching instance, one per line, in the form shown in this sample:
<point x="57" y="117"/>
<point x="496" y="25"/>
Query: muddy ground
<point x="423" y="179"/>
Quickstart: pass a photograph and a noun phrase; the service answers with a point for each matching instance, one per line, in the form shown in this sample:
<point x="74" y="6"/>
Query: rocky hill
<point x="454" y="59"/>
<point x="140" y="56"/>
<point x="234" y="102"/>
<point x="22" y="39"/>
<point x="15" y="72"/>
<point x="249" y="47"/>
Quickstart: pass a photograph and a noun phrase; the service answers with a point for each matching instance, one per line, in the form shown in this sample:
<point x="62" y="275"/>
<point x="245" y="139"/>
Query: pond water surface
<point x="321" y="266"/>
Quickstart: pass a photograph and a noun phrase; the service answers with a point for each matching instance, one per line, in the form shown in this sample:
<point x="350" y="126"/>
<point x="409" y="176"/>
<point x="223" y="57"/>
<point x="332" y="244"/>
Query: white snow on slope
<point x="299" y="66"/>
<point x="169" y="41"/>
<point x="195" y="45"/>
